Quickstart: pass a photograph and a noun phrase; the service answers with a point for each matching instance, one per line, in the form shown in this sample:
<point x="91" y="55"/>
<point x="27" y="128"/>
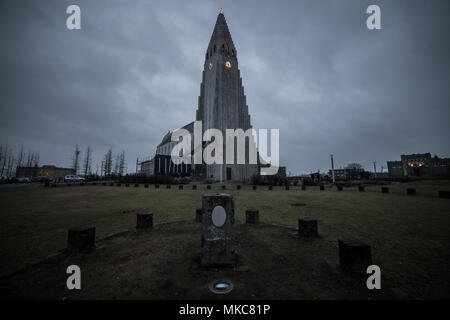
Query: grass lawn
<point x="409" y="235"/>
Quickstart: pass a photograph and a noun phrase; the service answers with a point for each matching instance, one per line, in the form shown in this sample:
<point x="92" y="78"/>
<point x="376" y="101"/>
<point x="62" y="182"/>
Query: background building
<point x="421" y="165"/>
<point x="51" y="172"/>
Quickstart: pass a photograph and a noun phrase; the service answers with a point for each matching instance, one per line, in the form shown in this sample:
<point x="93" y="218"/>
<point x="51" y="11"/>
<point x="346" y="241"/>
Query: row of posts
<point x="361" y="188"/>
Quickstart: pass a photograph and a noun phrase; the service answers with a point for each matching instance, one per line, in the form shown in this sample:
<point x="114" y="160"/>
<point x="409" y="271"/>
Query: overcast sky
<point x="310" y="68"/>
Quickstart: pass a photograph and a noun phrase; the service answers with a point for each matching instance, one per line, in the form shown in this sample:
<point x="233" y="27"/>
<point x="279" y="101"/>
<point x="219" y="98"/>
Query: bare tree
<point x="3" y="156"/>
<point x="117" y="164"/>
<point x="108" y="162"/>
<point x="75" y="159"/>
<point x="87" y="162"/>
<point x="30" y="159"/>
<point x="122" y="164"/>
<point x="36" y="159"/>
<point x="10" y="167"/>
<point x="20" y="156"/>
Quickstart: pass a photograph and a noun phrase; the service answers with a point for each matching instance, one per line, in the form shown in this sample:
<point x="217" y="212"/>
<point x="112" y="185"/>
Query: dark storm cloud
<point x="310" y="68"/>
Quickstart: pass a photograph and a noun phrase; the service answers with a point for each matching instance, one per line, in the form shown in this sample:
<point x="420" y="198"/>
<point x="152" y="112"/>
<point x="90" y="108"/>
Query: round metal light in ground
<point x="221" y="286"/>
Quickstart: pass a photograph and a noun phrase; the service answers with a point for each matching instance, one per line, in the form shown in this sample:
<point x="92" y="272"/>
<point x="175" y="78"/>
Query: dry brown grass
<point x="409" y="235"/>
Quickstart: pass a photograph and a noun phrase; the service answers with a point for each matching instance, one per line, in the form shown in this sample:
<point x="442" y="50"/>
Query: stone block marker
<point x="136" y="185"/>
<point x="303" y="187"/>
<point x="218" y="239"/>
<point x="180" y="187"/>
<point x="444" y="194"/>
<point x="270" y="187"/>
<point x="361" y="188"/>
<point x="194" y="187"/>
<point x="208" y="187"/>
<point x="68" y="184"/>
<point x="224" y="187"/>
<point x="127" y="185"/>
<point x="53" y="185"/>
<point x="254" y="187"/>
<point x="238" y="187"/>
<point x="354" y="256"/>
<point x="156" y="186"/>
<point x="144" y="221"/>
<point x="307" y="228"/>
<point x="111" y="184"/>
<point x="198" y="215"/>
<point x="119" y="184"/>
<point x="47" y="183"/>
<point x="340" y="188"/>
<point x="384" y="190"/>
<point x="410" y="191"/>
<point x="80" y="239"/>
<point x="322" y="188"/>
<point x="252" y="216"/>
<point x="168" y="186"/>
<point x="286" y="187"/>
<point x="104" y="184"/>
<point x="146" y="185"/>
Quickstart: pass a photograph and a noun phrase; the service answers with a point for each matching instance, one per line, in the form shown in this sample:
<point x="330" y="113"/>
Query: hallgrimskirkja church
<point x="221" y="105"/>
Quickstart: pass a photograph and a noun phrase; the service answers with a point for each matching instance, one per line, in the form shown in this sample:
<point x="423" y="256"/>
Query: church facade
<point x="221" y="105"/>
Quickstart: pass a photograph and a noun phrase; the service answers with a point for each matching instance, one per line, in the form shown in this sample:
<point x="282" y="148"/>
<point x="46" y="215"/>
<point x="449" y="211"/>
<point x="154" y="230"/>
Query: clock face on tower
<point x="228" y="64"/>
<point x="210" y="66"/>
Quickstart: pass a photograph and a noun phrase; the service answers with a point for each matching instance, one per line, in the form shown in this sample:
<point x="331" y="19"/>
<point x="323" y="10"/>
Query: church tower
<point x="222" y="102"/>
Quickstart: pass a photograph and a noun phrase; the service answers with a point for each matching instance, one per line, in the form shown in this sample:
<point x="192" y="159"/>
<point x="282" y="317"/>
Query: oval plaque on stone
<point x="219" y="216"/>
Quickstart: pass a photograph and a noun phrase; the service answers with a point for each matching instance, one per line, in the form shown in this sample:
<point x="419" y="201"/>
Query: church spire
<point x="221" y="35"/>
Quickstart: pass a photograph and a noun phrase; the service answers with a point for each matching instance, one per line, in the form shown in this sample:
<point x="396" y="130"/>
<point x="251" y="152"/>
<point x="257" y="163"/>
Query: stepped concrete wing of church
<point x="221" y="105"/>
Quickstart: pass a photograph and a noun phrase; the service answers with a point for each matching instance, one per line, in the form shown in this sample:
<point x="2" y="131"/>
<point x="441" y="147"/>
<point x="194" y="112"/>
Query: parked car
<point x="73" y="178"/>
<point x="23" y="179"/>
<point x="39" y="179"/>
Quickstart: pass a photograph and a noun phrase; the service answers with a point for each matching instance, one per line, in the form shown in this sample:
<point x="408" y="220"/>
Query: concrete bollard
<point x="168" y="186"/>
<point x="136" y="185"/>
<point x="194" y="187"/>
<point x="94" y="183"/>
<point x="47" y="183"/>
<point x="53" y="185"/>
<point x="444" y="194"/>
<point x="384" y="190"/>
<point x="68" y="184"/>
<point x="307" y="227"/>
<point x="270" y="187"/>
<point x="286" y="187"/>
<point x="224" y="187"/>
<point x="218" y="239"/>
<point x="104" y="184"/>
<point x="410" y="191"/>
<point x="322" y="187"/>
<point x="238" y="187"/>
<point x="340" y="188"/>
<point x="208" y="187"/>
<point x="80" y="239"/>
<point x="254" y="187"/>
<point x="156" y="186"/>
<point x="119" y="184"/>
<point x="146" y="185"/>
<point x="180" y="187"/>
<point x="252" y="216"/>
<point x="198" y="215"/>
<point x="144" y="221"/>
<point x="354" y="256"/>
<point x="303" y="187"/>
<point x="361" y="188"/>
<point x="111" y="184"/>
<point x="127" y="185"/>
